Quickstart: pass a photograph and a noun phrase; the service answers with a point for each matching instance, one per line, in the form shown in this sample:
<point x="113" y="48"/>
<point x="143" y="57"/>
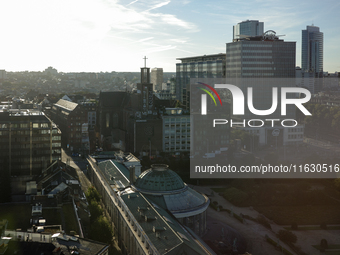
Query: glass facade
<point x="312" y="54"/>
<point x="208" y="66"/>
<point x="30" y="142"/>
<point x="176" y="133"/>
<point x="312" y="50"/>
<point x="248" y="28"/>
<point x="254" y="60"/>
<point x="274" y="59"/>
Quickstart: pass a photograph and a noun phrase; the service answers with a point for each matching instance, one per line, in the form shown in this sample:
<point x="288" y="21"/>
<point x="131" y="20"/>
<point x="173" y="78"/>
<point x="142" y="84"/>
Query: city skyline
<point x="94" y="36"/>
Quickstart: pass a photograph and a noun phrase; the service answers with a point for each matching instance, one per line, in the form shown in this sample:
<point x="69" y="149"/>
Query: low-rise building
<point x="155" y="214"/>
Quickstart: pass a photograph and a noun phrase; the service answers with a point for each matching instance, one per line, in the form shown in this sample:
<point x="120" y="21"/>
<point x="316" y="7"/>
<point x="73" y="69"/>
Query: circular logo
<point x="276" y="132"/>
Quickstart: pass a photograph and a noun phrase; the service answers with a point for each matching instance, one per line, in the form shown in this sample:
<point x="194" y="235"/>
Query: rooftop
<point x="84" y="246"/>
<point x="159" y="178"/>
<point x="70" y="106"/>
<point x="205" y="57"/>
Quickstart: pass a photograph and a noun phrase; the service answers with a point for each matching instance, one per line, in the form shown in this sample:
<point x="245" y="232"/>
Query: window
<point x="35" y="125"/>
<point x="107" y="120"/>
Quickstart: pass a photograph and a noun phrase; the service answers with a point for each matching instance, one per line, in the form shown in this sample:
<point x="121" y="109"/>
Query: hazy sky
<point x="110" y="35"/>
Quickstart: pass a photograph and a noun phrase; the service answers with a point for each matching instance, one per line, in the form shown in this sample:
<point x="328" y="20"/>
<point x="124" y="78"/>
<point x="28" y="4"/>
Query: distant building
<point x="157" y="78"/>
<point x="3" y="76"/>
<point x="305" y="79"/>
<point x="28" y="140"/>
<point x="176" y="130"/>
<point x="50" y="71"/>
<point x="90" y="108"/>
<point x="155" y="214"/>
<point x="312" y="50"/>
<point x="312" y="54"/>
<point x="248" y="28"/>
<point x="132" y="121"/>
<point x="69" y="117"/>
<point x="206" y="66"/>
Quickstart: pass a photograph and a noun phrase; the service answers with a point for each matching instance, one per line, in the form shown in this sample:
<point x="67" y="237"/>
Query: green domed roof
<point x="159" y="178"/>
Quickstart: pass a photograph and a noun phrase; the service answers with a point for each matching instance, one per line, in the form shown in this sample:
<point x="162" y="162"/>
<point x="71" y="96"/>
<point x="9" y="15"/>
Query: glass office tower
<point x="248" y="28"/>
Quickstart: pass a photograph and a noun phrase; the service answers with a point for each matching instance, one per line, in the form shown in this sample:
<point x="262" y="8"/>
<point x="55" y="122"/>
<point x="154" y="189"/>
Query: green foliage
<point x="101" y="230"/>
<point x="95" y="211"/>
<point x="92" y="195"/>
<point x="287" y="236"/>
<point x="236" y="196"/>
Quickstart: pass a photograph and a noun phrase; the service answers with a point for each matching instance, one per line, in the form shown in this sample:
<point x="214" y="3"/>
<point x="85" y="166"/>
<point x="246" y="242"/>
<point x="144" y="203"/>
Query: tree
<point x="92" y="195"/>
<point x="101" y="230"/>
<point x="95" y="211"/>
<point x="287" y="236"/>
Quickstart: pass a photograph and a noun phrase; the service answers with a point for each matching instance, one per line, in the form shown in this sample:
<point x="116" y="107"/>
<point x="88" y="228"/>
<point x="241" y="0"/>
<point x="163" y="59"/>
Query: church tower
<point x="146" y="90"/>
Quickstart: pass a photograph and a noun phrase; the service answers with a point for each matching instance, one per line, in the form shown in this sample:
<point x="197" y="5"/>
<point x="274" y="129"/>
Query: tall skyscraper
<point x="312" y="50"/>
<point x="248" y="28"/>
<point x="312" y="55"/>
<point x="263" y="62"/>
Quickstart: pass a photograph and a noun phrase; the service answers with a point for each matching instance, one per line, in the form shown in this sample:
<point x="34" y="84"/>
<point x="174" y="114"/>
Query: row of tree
<point x="100" y="229"/>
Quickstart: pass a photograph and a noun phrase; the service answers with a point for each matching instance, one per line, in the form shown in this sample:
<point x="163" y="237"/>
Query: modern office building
<point x="248" y="28"/>
<point x="157" y="78"/>
<point x="29" y="141"/>
<point x="176" y="130"/>
<point x="261" y="62"/>
<point x="157" y="213"/>
<point x="261" y="56"/>
<point x="312" y="50"/>
<point x="207" y="66"/>
<point x="312" y="54"/>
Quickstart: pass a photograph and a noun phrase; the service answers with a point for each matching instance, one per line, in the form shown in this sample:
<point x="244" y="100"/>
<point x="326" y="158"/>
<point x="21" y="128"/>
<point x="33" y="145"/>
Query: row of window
<point x="295" y="136"/>
<point x="293" y="130"/>
<point x="24" y="125"/>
